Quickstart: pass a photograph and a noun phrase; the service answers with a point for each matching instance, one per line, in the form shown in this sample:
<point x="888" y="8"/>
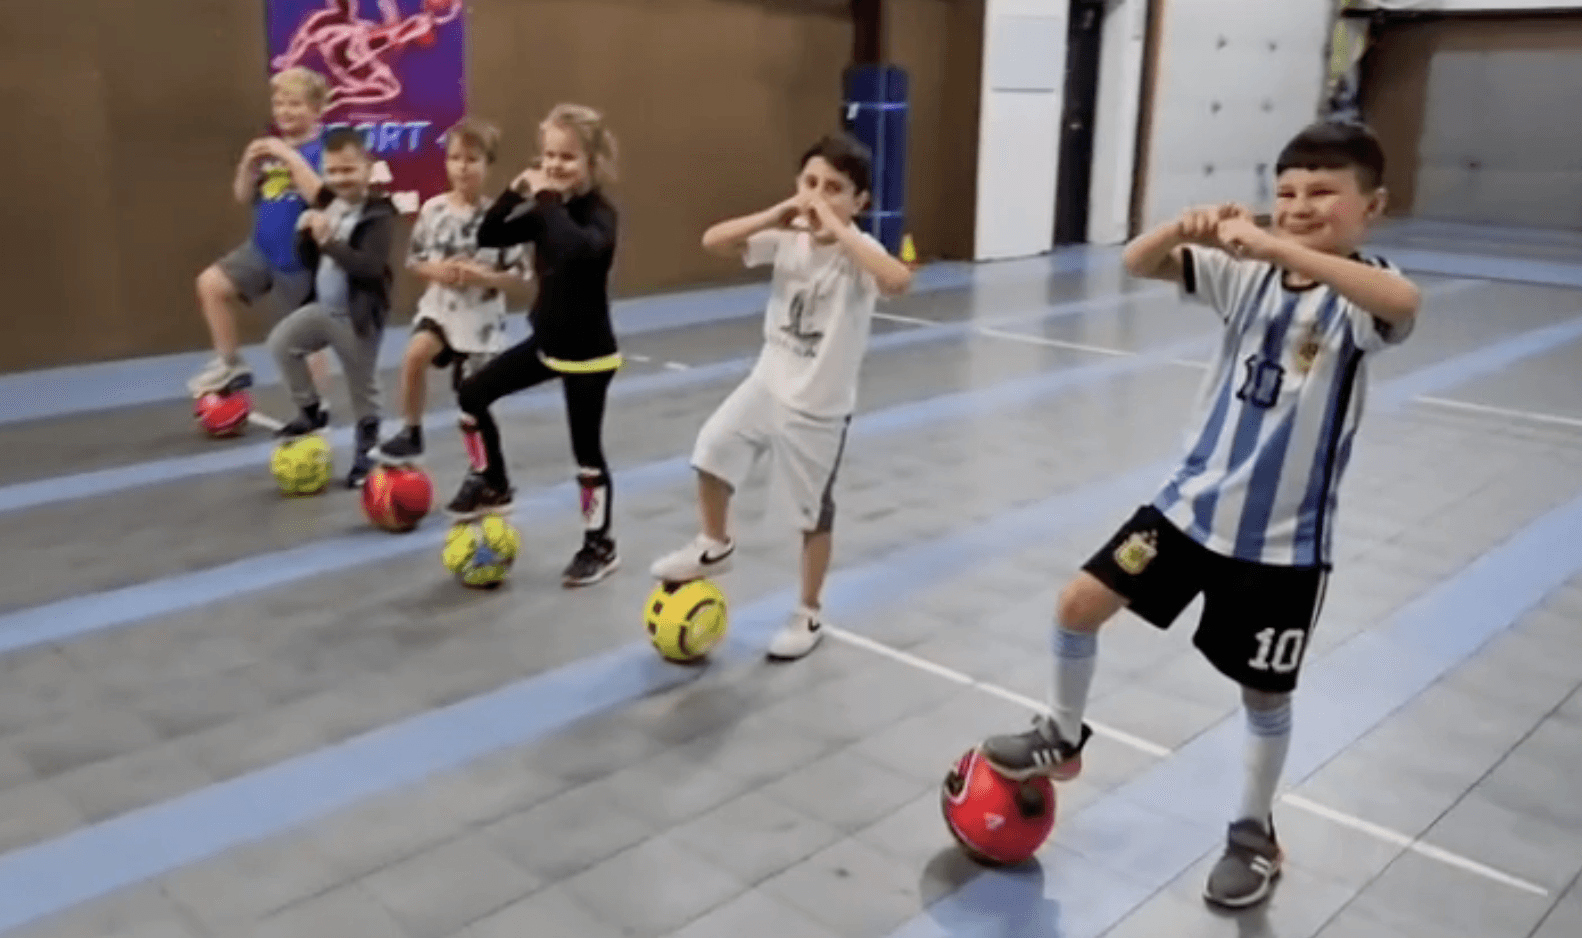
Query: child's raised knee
<point x="1086" y="604"/>
<point x="214" y="283"/>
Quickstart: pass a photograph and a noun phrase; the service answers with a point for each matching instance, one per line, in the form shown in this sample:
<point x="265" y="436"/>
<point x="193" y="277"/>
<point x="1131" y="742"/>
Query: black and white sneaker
<point x="478" y="497"/>
<point x="1038" y="751"/>
<point x="310" y="420"/>
<point x="703" y="557"/>
<point x="596" y="560"/>
<point x="1247" y="870"/>
<point x="799" y="636"/>
<point x="221" y="377"/>
<point x="403" y="449"/>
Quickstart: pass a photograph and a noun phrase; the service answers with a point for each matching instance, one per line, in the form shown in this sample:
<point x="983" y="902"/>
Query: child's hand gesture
<point x="257" y="151"/>
<point x="469" y="273"/>
<point x="531" y="181"/>
<point x="820" y="216"/>
<point x="1201" y="225"/>
<point x="317" y="224"/>
<point x="786" y="213"/>
<point x="1242" y="237"/>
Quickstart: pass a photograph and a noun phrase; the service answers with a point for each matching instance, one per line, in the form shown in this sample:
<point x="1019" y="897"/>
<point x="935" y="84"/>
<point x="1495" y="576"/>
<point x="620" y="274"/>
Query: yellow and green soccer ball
<point x="302" y="466"/>
<point x="685" y="621"/>
<point x="480" y="553"/>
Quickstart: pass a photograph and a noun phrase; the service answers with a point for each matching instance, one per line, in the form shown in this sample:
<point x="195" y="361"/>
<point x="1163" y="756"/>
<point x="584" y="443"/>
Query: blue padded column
<point x="875" y="112"/>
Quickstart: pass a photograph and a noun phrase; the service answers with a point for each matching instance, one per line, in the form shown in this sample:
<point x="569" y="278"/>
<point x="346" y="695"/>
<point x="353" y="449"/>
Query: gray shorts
<point x="804" y="453"/>
<point x="255" y="279"/>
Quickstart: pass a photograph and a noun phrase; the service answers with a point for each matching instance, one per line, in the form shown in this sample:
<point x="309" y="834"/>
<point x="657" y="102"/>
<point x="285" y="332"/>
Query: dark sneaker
<point x="478" y="497"/>
<point x="1247" y="871"/>
<point x="596" y="560"/>
<point x="362" y="452"/>
<point x="403" y="449"/>
<point x="1039" y="751"/>
<point x="310" y="420"/>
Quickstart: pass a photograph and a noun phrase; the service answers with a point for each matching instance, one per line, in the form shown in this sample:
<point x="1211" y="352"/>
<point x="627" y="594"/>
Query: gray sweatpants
<point x="313" y="327"/>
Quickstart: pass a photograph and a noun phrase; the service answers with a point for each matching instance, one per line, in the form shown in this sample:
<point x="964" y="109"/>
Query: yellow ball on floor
<point x="302" y="466"/>
<point x="480" y="553"/>
<point x="686" y="621"/>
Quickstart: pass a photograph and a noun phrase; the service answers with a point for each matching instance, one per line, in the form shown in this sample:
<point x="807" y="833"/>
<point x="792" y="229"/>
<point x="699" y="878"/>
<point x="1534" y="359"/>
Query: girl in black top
<point x="558" y="206"/>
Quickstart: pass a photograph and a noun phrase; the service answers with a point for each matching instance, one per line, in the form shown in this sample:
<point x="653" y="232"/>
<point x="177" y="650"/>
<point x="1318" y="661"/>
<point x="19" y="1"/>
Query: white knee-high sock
<point x="1269" y="740"/>
<point x="1076" y="656"/>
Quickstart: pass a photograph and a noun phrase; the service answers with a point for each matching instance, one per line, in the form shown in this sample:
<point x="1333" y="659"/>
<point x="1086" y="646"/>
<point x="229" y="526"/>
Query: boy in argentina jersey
<point x="1247" y="518"/>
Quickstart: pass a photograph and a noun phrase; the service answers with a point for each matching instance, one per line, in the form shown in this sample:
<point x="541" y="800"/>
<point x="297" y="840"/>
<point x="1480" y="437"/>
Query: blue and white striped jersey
<point x="1276" y="414"/>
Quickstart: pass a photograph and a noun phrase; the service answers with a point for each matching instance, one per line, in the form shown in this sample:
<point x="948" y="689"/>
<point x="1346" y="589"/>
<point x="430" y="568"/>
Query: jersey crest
<point x="1137" y="552"/>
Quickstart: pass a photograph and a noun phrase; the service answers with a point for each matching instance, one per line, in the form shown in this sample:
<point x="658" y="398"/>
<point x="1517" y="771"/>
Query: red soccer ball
<point x="223" y="415"/>
<point x="397" y="498"/>
<point x="996" y="821"/>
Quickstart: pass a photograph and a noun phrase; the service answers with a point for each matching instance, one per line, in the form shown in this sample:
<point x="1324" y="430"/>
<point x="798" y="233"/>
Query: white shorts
<point x="804" y="452"/>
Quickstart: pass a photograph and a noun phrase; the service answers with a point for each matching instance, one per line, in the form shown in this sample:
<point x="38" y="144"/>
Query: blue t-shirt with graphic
<point x="277" y="205"/>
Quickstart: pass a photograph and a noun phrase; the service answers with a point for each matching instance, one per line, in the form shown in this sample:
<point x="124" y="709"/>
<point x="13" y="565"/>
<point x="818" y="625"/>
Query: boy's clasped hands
<point x="1228" y="226"/>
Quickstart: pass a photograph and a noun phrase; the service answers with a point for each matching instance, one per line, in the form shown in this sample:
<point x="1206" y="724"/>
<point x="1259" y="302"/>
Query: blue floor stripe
<point x="58" y="874"/>
<point x="96" y="482"/>
<point x="72" y="389"/>
<point x="1512" y="269"/>
<point x="1148" y="832"/>
<point x="117" y="608"/>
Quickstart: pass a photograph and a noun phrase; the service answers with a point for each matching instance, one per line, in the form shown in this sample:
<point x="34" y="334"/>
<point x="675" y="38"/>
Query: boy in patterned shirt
<point x="460" y="321"/>
<point x="1247" y="519"/>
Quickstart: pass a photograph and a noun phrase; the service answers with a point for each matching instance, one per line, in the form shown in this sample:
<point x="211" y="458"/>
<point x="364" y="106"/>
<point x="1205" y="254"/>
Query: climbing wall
<point x="1234" y="80"/>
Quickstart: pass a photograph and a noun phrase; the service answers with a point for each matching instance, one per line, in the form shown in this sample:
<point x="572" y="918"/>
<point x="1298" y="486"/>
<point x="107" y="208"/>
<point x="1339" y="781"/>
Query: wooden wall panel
<point x="128" y="157"/>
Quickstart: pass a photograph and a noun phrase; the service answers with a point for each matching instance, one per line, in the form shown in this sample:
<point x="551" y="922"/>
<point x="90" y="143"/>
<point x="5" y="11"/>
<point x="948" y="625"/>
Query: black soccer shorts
<point x="1257" y="618"/>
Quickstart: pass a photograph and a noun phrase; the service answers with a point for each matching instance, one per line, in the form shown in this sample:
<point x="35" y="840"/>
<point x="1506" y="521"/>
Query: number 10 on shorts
<point x="1278" y="654"/>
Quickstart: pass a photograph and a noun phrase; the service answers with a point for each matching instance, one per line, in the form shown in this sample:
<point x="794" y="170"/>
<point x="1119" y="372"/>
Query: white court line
<point x="910" y="320"/>
<point x="1395" y="838"/>
<point x="1045" y="341"/>
<point x="1532" y="416"/>
<point x="639" y="358"/>
<point x="1502" y="411"/>
<point x="923" y="664"/>
<point x="1413" y="844"/>
<point x="264" y="420"/>
<point x="677" y="366"/>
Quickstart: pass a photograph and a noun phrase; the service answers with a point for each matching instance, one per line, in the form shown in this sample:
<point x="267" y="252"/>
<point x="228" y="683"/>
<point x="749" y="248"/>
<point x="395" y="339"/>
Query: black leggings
<point x="519" y="368"/>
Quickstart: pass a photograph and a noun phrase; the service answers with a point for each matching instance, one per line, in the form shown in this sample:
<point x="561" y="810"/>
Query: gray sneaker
<point x="1038" y="751"/>
<point x="1247" y="871"/>
<point x="221" y="377"/>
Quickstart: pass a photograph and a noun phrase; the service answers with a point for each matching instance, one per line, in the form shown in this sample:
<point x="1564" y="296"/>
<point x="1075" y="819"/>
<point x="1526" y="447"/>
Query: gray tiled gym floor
<point x="801" y="800"/>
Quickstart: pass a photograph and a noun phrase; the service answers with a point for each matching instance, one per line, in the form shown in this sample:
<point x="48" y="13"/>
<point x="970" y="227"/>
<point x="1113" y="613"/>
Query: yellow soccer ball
<point x="302" y="466"/>
<point x="686" y="621"/>
<point x="480" y="553"/>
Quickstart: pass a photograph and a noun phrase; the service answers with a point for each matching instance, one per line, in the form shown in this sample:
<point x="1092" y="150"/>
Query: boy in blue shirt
<point x="1248" y="517"/>
<point x="279" y="177"/>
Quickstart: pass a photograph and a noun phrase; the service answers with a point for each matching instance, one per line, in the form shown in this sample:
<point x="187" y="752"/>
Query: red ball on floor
<point x="396" y="498"/>
<point x="223" y="415"/>
<point x="995" y="820"/>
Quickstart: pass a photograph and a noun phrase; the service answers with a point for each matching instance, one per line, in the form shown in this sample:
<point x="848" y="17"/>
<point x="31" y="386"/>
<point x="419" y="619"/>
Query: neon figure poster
<point x="396" y="71"/>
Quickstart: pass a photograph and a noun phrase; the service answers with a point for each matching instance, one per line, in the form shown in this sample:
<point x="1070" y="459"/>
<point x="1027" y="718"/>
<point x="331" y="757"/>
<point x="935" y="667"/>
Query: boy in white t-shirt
<point x="796" y="404"/>
<point x="460" y="321"/>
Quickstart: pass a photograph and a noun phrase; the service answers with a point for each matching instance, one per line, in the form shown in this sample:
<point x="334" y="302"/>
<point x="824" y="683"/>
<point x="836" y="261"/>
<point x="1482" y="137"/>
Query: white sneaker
<point x="703" y="557"/>
<point x="800" y="635"/>
<point x="220" y="375"/>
